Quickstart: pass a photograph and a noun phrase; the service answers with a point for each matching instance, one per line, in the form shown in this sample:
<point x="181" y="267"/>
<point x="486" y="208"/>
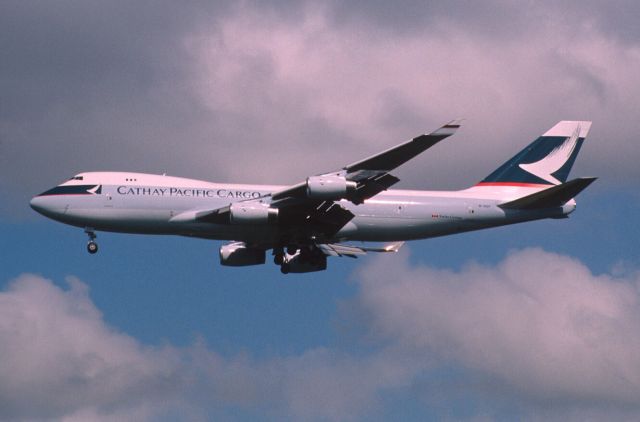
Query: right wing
<point x="400" y="154"/>
<point x="315" y="203"/>
<point x="312" y="208"/>
<point x="371" y="175"/>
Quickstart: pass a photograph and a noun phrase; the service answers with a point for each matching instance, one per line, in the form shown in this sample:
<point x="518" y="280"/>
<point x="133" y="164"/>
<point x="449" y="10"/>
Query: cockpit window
<point x="77" y="178"/>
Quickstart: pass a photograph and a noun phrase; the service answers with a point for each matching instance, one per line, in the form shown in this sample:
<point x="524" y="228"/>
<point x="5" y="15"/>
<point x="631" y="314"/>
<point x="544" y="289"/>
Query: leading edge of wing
<point x="396" y="156"/>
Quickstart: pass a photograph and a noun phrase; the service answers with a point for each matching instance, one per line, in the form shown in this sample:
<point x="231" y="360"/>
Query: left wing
<point x="336" y="249"/>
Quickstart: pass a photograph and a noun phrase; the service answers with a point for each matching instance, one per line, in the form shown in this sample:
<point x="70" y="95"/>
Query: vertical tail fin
<point x="546" y="161"/>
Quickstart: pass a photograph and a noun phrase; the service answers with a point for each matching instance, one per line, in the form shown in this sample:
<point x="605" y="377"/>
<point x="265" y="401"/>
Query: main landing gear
<point x="299" y="259"/>
<point x="280" y="259"/>
<point x="92" y="246"/>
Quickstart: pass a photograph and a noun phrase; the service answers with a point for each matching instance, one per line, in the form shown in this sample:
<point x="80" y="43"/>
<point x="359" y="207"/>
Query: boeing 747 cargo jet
<point x="305" y="223"/>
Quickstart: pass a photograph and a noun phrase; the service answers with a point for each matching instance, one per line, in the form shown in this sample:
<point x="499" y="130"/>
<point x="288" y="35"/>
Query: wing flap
<point x="330" y="217"/>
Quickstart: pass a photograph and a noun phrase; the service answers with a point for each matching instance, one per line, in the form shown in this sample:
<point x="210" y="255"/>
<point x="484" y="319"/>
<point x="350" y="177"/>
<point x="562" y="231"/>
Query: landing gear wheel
<point x="292" y="249"/>
<point x="285" y="268"/>
<point x="92" y="247"/>
<point x="278" y="259"/>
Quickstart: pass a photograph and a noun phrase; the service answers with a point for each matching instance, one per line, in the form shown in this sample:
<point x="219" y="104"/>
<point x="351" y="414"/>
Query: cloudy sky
<point x="533" y="322"/>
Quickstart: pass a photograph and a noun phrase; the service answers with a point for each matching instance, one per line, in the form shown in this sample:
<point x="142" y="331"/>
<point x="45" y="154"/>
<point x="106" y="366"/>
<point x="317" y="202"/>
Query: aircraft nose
<point x="47" y="206"/>
<point x="37" y="203"/>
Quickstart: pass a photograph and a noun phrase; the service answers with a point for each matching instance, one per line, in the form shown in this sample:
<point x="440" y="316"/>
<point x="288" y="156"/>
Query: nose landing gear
<point x="92" y="246"/>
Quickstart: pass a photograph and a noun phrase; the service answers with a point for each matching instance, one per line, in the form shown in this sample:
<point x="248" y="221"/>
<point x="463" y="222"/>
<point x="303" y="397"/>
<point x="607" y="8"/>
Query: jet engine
<point x="251" y="213"/>
<point x="329" y="187"/>
<point x="238" y="254"/>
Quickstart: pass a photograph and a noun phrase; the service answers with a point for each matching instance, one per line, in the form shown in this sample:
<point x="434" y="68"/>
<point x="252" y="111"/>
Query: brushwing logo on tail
<point x="554" y="161"/>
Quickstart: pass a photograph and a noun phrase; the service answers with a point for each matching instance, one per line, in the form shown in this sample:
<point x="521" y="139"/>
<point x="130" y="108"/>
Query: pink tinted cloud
<point x="373" y="88"/>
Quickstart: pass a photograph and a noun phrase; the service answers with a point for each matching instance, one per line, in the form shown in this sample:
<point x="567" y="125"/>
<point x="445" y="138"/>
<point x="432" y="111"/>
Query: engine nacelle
<point x="329" y="187"/>
<point x="237" y="254"/>
<point x="251" y="213"/>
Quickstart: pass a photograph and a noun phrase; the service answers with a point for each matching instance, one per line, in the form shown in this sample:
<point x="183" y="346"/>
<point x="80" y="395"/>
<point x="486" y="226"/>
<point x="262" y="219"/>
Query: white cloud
<point x="57" y="356"/>
<point x="540" y="324"/>
<point x="538" y="334"/>
<point x="60" y="360"/>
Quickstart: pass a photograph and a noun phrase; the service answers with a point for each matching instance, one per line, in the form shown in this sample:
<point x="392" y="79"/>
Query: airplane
<point x="305" y="223"/>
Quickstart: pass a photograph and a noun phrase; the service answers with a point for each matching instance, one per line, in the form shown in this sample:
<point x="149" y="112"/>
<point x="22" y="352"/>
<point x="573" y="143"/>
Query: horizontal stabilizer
<point x="553" y="197"/>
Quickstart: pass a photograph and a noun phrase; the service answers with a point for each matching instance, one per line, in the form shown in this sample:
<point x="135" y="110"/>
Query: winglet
<point x="448" y="129"/>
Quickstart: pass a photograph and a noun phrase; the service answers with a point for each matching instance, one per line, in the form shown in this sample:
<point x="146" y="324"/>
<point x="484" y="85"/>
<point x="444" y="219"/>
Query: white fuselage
<point x="156" y="204"/>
